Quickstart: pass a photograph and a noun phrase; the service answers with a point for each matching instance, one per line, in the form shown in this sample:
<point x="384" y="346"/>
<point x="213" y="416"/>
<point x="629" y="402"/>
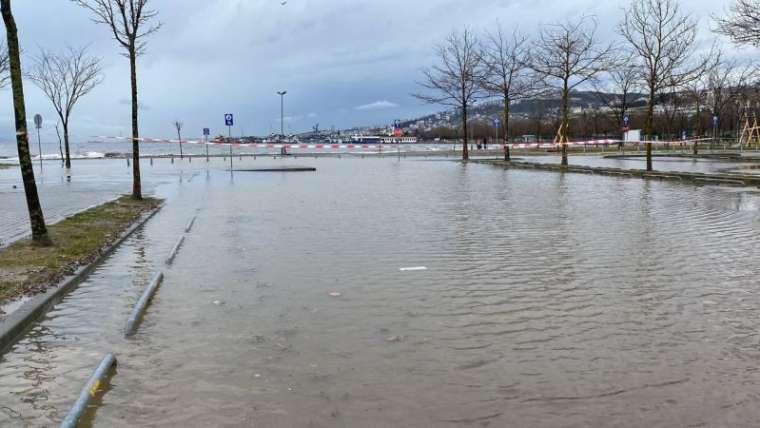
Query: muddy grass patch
<point x="27" y="269"/>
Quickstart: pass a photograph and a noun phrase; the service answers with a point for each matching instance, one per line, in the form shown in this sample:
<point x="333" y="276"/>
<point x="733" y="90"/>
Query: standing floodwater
<point x="548" y="300"/>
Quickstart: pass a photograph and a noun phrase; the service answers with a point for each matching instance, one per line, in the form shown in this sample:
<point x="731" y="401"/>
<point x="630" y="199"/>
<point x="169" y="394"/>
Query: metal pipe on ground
<point x="89" y="391"/>
<point x="142" y="304"/>
<point x="175" y="250"/>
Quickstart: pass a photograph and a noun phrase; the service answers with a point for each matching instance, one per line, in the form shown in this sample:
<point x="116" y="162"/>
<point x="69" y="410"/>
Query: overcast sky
<point x="343" y="62"/>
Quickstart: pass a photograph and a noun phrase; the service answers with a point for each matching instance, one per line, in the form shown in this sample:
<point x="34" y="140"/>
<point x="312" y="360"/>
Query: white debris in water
<point x="335" y="294"/>
<point x="218" y="302"/>
<point x="413" y="268"/>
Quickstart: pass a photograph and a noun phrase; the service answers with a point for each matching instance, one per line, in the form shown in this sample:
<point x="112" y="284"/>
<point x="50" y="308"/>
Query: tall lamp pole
<point x="282" y="112"/>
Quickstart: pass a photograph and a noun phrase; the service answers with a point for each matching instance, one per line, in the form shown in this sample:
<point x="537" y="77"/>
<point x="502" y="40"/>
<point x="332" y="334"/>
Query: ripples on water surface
<point x="549" y="300"/>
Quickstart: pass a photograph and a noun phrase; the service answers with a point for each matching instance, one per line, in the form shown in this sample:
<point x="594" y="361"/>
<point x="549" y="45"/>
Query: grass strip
<point x="28" y="269"/>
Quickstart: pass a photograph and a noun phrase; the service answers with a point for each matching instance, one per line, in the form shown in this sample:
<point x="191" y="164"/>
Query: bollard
<point x="142" y="304"/>
<point x="175" y="250"/>
<point x="151" y="161"/>
<point x="88" y="392"/>
<point x="190" y="224"/>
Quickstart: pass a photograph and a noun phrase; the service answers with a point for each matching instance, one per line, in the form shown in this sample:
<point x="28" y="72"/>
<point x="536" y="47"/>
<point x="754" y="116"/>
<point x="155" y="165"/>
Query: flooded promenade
<point x="547" y="300"/>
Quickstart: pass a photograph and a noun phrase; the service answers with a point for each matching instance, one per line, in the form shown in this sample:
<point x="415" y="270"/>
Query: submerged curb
<point x="190" y="224"/>
<point x="88" y="392"/>
<point x="142" y="304"/>
<point x="16" y="323"/>
<point x="175" y="250"/>
<point x="697" y="178"/>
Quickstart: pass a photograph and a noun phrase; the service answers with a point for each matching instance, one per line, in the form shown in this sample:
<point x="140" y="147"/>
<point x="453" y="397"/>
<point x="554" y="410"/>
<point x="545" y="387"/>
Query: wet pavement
<point x="88" y="183"/>
<point x="548" y="300"/>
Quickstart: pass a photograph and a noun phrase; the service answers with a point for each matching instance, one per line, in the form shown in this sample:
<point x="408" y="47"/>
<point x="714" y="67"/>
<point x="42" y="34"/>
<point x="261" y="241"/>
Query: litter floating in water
<point x="218" y="302"/>
<point x="335" y="294"/>
<point x="413" y="268"/>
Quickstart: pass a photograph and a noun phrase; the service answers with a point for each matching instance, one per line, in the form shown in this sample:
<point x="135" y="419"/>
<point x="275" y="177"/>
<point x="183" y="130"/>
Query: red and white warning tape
<point x="416" y="146"/>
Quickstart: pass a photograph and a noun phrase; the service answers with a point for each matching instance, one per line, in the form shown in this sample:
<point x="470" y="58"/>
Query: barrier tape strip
<point x="422" y="146"/>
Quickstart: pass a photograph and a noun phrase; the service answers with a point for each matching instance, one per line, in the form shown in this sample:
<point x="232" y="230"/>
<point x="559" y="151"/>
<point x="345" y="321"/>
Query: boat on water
<point x="380" y="139"/>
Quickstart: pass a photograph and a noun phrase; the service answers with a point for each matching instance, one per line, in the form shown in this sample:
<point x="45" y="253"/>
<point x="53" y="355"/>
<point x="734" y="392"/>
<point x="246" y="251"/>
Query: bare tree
<point x="507" y="74"/>
<point x="742" y="24"/>
<point x="5" y="66"/>
<point x="696" y="93"/>
<point x="455" y="81"/>
<point x="566" y="56"/>
<point x="663" y="40"/>
<point x="727" y="82"/>
<point x="65" y="78"/>
<point x="618" y="90"/>
<point x="36" y="218"/>
<point x="130" y="23"/>
<point x="178" y="126"/>
<point x="60" y="143"/>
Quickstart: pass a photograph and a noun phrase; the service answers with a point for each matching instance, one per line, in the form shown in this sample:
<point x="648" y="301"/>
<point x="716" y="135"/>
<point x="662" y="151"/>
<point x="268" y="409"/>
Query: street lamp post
<point x="282" y="112"/>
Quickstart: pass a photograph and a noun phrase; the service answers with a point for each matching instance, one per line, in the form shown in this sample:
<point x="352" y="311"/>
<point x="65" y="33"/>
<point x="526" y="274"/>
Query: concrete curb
<point x="696" y="178"/>
<point x="17" y="322"/>
<point x="142" y="304"/>
<point x="190" y="224"/>
<point x="88" y="392"/>
<point x="175" y="250"/>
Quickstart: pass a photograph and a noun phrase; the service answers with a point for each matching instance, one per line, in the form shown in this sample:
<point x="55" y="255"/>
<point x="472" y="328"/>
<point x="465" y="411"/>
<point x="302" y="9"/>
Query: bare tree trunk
<point x="700" y="131"/>
<point x="136" y="182"/>
<point x="465" y="148"/>
<point x="179" y="137"/>
<point x="507" y="154"/>
<point x="565" y="125"/>
<point x="36" y="217"/>
<point x="649" y="127"/>
<point x="66" y="143"/>
<point x="60" y="145"/>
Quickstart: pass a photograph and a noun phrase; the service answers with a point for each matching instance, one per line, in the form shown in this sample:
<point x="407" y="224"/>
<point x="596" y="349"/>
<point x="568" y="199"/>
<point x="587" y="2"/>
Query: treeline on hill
<point x="661" y="74"/>
<point x="540" y="119"/>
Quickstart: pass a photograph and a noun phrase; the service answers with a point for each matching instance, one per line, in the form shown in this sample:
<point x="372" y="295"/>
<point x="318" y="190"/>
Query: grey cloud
<point x="217" y="56"/>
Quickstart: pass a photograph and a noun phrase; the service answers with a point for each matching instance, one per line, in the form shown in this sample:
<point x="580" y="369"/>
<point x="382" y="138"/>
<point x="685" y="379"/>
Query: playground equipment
<point x="750" y="135"/>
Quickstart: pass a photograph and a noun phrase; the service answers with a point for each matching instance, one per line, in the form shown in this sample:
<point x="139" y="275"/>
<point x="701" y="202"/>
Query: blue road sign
<point x="206" y="132"/>
<point x="228" y="119"/>
<point x="626" y="121"/>
<point x="715" y="120"/>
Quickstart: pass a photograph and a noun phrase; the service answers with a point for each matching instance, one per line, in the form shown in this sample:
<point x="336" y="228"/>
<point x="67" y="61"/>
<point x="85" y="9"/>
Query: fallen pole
<point x="142" y="304"/>
<point x="190" y="224"/>
<point x="175" y="250"/>
<point x="88" y="392"/>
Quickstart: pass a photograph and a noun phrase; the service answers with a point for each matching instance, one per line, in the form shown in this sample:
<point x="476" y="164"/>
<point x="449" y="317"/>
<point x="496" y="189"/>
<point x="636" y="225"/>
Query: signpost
<point x="206" y="133"/>
<point x="229" y="121"/>
<point x="38" y="125"/>
<point x="716" y="121"/>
